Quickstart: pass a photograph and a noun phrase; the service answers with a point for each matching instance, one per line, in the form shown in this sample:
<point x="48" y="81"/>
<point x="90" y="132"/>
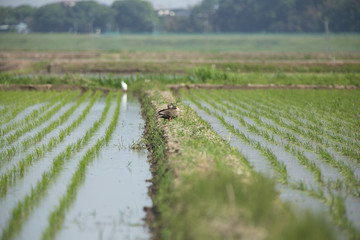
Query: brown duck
<point x="168" y="113"/>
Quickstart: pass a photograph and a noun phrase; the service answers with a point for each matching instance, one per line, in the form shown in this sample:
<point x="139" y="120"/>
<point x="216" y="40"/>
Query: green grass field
<point x="183" y="42"/>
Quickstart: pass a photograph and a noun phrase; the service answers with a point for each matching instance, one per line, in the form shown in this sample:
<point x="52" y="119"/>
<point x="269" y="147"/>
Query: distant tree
<point x="342" y="15"/>
<point x="178" y="24"/>
<point x="288" y="15"/>
<point x="207" y="16"/>
<point x="88" y="16"/>
<point x="203" y="15"/>
<point x="83" y="17"/>
<point x="6" y="15"/>
<point x="134" y="16"/>
<point x="253" y="15"/>
<point x="52" y="18"/>
<point x="24" y="13"/>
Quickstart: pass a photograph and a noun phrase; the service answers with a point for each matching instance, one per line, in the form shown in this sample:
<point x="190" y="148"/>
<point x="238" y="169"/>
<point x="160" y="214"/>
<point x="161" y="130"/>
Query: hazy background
<point x="155" y="3"/>
<point x="189" y="16"/>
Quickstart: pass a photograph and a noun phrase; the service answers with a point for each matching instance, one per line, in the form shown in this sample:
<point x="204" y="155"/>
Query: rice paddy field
<point x="308" y="140"/>
<point x="266" y="145"/>
<point x="49" y="140"/>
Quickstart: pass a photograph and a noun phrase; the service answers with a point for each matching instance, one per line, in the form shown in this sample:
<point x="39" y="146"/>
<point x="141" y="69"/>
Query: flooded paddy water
<point x="24" y="186"/>
<point x="110" y="203"/>
<point x="20" y="155"/>
<point x="331" y="172"/>
<point x="24" y="113"/>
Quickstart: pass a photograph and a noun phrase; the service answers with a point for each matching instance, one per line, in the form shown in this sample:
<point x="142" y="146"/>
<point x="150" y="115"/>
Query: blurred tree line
<point x="207" y="16"/>
<point x="84" y="16"/>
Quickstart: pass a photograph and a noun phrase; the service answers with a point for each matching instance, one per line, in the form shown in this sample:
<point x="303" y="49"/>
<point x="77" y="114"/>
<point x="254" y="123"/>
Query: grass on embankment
<point x="196" y="76"/>
<point x="180" y="66"/>
<point x="214" y="76"/>
<point x="204" y="189"/>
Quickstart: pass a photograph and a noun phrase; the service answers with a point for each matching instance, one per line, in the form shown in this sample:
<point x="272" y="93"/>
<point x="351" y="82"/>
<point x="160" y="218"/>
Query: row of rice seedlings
<point x="277" y="101"/>
<point x="5" y="102"/>
<point x="341" y="220"/>
<point x="14" y="99"/>
<point x="25" y="207"/>
<point x="346" y="147"/>
<point x="37" y="122"/>
<point x="314" y="130"/>
<point x="40" y="135"/>
<point x="11" y="151"/>
<point x="344" y="169"/>
<point x="33" y="115"/>
<point x="255" y="116"/>
<point x="57" y="217"/>
<point x="268" y="137"/>
<point x="251" y="128"/>
<point x="236" y="114"/>
<point x="326" y="104"/>
<point x="341" y="146"/>
<point x="297" y="153"/>
<point x="332" y="105"/>
<point x="40" y="97"/>
<point x="14" y="107"/>
<point x="10" y="96"/>
<point x="6" y="95"/>
<point x="279" y="167"/>
<point x="352" y="183"/>
<point x="342" y="142"/>
<point x="336" y="206"/>
<point x="291" y="139"/>
<point x="338" y="211"/>
<point x="287" y="136"/>
<point x="17" y="172"/>
<point x="318" y="122"/>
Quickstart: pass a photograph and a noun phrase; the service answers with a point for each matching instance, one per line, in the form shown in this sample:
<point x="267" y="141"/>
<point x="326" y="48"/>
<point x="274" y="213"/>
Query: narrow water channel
<point x="110" y="203"/>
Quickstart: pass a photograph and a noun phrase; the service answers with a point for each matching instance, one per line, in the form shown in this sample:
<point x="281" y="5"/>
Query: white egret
<point x="124" y="85"/>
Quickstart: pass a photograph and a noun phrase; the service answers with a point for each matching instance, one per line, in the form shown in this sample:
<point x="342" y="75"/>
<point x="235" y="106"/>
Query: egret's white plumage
<point x="124" y="85"/>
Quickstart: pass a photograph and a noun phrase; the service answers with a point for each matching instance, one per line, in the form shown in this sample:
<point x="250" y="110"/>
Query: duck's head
<point x="171" y="106"/>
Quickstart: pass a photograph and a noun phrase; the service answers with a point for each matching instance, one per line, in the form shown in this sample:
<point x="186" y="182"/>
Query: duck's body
<point x="169" y="113"/>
